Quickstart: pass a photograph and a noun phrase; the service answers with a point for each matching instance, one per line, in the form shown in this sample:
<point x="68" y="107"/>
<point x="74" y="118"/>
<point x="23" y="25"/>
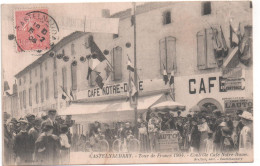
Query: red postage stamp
<point x="32" y="30"/>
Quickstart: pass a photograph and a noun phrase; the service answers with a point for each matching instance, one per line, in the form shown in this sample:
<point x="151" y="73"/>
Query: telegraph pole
<point x="135" y="71"/>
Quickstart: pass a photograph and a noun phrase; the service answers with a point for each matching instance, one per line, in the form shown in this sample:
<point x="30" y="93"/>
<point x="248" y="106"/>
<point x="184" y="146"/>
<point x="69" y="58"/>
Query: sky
<point x="12" y="61"/>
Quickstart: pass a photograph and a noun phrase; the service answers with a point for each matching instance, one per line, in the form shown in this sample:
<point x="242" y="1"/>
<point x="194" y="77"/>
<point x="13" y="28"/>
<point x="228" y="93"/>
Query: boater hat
<point x="246" y="115"/>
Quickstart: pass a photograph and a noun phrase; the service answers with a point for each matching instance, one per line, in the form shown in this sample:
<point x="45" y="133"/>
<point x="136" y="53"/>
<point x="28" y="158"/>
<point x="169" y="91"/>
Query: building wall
<point x="186" y="22"/>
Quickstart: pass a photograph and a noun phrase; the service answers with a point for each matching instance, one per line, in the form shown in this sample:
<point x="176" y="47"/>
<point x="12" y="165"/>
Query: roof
<point x="61" y="43"/>
<point x="146" y="7"/>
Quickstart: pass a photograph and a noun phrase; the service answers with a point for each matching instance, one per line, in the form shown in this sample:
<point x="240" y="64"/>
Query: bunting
<point x="130" y="65"/>
<point x="165" y="75"/>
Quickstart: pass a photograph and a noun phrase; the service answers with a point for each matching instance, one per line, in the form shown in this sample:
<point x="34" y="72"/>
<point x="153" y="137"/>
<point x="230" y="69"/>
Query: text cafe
<point x="209" y="90"/>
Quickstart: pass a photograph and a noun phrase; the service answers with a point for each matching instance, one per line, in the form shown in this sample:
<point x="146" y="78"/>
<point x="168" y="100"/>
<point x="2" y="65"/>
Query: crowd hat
<point x="223" y="124"/>
<point x="47" y="127"/>
<point x="13" y="120"/>
<point x="23" y="121"/>
<point x="6" y="115"/>
<point x="246" y="115"/>
<point x="28" y="116"/>
<point x="52" y="111"/>
<point x="64" y="129"/>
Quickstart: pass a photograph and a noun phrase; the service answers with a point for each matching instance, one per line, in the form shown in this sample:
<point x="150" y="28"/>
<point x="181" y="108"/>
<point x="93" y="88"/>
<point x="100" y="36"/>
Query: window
<point x="73" y="49"/>
<point x="115" y="36"/>
<point x="55" y="85"/>
<point x="64" y="78"/>
<point x="250" y="4"/>
<point x="30" y="96"/>
<point x="47" y="88"/>
<point x="30" y="75"/>
<point x="42" y="91"/>
<point x="54" y="62"/>
<point x="167" y="17"/>
<point x="206" y="8"/>
<point x="36" y="72"/>
<point x="168" y="54"/>
<point x="37" y="93"/>
<point x="24" y="79"/>
<point x="46" y="66"/>
<point x="74" y="77"/>
<point x="116" y="60"/>
<point x="21" y="100"/>
<point x="20" y="81"/>
<point x="41" y="74"/>
<point x="205" y="50"/>
<point x="24" y="99"/>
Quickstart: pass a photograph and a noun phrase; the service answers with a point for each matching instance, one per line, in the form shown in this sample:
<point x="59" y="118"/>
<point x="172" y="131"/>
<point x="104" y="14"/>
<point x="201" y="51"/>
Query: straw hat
<point x="223" y="124"/>
<point x="246" y="115"/>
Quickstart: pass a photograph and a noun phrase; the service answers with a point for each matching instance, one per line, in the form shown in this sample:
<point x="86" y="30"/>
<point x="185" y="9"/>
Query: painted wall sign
<point x="115" y="89"/>
<point x="241" y="104"/>
<point x="205" y="85"/>
<point x="168" y="141"/>
<point x="234" y="84"/>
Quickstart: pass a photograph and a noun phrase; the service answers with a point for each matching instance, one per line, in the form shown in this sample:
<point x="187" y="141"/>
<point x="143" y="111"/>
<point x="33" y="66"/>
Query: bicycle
<point x="129" y="144"/>
<point x="98" y="144"/>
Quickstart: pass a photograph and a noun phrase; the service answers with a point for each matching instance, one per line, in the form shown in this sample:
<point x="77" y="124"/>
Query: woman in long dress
<point x="143" y="138"/>
<point x="203" y="128"/>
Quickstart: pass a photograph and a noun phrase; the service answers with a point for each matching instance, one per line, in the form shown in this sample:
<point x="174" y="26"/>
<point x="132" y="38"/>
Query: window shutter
<point x="211" y="61"/>
<point x="41" y="74"/>
<point x="171" y="54"/>
<point x="117" y="63"/>
<point x="55" y="62"/>
<point x="24" y="98"/>
<point x="30" y="96"/>
<point x="37" y="93"/>
<point x="64" y="78"/>
<point x="162" y="45"/>
<point x="74" y="77"/>
<point x="21" y="100"/>
<point x="201" y="49"/>
<point x="55" y="85"/>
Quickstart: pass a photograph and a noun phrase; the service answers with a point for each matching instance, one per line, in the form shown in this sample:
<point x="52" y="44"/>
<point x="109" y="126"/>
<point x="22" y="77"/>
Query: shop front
<point x="214" y="92"/>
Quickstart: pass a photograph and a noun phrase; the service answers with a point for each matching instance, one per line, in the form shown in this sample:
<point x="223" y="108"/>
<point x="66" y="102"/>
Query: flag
<point x="99" y="81"/>
<point x="172" y="78"/>
<point x="165" y="76"/>
<point x="234" y="40"/>
<point x="224" y="43"/>
<point x="108" y="71"/>
<point x="95" y="51"/>
<point x="89" y="72"/>
<point x="130" y="65"/>
<point x="133" y="90"/>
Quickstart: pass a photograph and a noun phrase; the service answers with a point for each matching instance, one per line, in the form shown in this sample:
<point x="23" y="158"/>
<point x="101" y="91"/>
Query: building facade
<point x="177" y="35"/>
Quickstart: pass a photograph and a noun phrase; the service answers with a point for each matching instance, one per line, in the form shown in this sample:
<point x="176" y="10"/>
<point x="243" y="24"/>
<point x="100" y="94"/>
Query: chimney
<point x="105" y="13"/>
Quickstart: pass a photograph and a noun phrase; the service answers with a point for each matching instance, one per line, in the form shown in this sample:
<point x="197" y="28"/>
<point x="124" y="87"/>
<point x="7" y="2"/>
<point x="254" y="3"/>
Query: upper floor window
<point x="168" y="54"/>
<point x="20" y="81"/>
<point x="42" y="91"/>
<point x="167" y="17"/>
<point x="24" y="79"/>
<point x="250" y="4"/>
<point x="55" y="84"/>
<point x="206" y="8"/>
<point x="30" y="96"/>
<point x="64" y="78"/>
<point x="74" y="77"/>
<point x="21" y="99"/>
<point x="35" y="72"/>
<point x="205" y="49"/>
<point x="54" y="62"/>
<point x="24" y="99"/>
<point x="73" y="49"/>
<point x="116" y="55"/>
<point x="37" y="93"/>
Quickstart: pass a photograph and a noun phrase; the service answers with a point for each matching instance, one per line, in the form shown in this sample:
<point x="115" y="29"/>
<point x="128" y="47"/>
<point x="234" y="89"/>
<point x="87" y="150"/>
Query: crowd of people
<point x="47" y="139"/>
<point x="218" y="132"/>
<point x="37" y="140"/>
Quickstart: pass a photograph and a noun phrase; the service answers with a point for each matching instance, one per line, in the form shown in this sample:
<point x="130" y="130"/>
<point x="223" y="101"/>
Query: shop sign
<point x="234" y="84"/>
<point x="232" y="72"/>
<point x="116" y="89"/>
<point x="240" y="104"/>
<point x="168" y="141"/>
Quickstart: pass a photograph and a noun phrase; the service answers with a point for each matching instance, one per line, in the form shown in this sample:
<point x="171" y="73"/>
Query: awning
<point x="111" y="106"/>
<point x="170" y="105"/>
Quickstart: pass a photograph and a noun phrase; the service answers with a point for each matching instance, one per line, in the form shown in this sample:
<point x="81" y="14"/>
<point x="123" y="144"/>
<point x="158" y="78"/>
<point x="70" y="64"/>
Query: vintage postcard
<point x="127" y="83"/>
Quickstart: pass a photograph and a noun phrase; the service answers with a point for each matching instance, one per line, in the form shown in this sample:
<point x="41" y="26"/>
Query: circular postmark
<point x="35" y="30"/>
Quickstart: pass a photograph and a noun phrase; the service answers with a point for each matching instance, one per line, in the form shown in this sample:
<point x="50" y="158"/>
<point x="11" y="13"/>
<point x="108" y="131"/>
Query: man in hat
<point x="246" y="134"/>
<point x="218" y="136"/>
<point x="23" y="145"/>
<point x="51" y="120"/>
<point x="35" y="131"/>
<point x="47" y="147"/>
<point x="30" y="118"/>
